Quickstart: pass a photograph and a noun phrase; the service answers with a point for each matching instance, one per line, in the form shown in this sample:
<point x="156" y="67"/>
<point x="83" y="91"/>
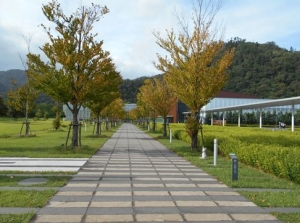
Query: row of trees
<point x="78" y="71"/>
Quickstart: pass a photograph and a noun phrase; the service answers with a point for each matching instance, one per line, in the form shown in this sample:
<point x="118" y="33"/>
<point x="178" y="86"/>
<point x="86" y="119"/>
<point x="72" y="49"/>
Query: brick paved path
<point x="134" y="178"/>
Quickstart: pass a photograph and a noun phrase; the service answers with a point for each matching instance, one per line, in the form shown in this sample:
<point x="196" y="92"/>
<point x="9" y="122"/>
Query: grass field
<point x="44" y="143"/>
<point x="275" y="191"/>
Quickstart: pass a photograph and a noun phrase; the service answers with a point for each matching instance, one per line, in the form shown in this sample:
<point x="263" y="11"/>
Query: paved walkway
<point x="133" y="178"/>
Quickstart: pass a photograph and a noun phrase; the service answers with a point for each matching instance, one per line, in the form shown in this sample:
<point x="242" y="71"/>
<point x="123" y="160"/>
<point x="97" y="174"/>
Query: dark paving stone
<point x="246" y="210"/>
<point x="112" y="198"/>
<point x="191" y="198"/>
<point x="85" y="178"/>
<point x="201" y="210"/>
<point x="113" y="188"/>
<point x="228" y="198"/>
<point x="152" y="198"/>
<point x="70" y="198"/>
<point x="77" y="189"/>
<point x="61" y="211"/>
<point x="149" y="189"/>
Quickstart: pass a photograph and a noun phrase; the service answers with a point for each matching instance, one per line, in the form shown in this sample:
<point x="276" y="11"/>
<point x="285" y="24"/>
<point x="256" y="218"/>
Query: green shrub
<point x="56" y="123"/>
<point x="274" y="152"/>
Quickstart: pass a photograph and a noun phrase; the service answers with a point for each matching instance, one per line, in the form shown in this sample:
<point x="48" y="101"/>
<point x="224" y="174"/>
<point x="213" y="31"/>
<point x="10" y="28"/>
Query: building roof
<point x="228" y="94"/>
<point x="264" y="104"/>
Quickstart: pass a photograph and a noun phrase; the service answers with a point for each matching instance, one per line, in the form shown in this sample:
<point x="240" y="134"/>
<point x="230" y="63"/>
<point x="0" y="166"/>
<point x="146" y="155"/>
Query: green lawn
<point x="249" y="177"/>
<point x="25" y="198"/>
<point x="44" y="143"/>
<point x="16" y="218"/>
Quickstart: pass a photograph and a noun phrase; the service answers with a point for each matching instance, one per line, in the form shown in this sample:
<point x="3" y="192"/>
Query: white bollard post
<point x="170" y="135"/>
<point x="215" y="151"/>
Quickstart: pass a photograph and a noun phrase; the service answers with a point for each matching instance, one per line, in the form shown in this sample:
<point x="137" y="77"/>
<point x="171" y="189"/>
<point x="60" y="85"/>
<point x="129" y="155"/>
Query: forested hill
<point x="264" y="70"/>
<point x="6" y="78"/>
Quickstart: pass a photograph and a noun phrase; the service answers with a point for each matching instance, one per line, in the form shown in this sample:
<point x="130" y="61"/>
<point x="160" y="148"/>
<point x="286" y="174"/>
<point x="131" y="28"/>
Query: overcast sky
<point x="127" y="29"/>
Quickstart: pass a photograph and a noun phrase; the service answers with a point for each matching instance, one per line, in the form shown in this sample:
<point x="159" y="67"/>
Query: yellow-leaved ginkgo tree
<point x="158" y="97"/>
<point x="196" y="62"/>
<point x="76" y="60"/>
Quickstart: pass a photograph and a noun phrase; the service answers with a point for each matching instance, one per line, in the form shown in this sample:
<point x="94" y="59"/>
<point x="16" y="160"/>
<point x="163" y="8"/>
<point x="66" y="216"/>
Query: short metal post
<point x="234" y="167"/>
<point x="215" y="151"/>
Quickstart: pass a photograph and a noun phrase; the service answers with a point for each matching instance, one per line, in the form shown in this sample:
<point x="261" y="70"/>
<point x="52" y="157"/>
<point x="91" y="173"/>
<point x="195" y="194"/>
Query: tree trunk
<point x="194" y="140"/>
<point x="75" y="128"/>
<point x="165" y="127"/>
<point x="202" y="137"/>
<point x="106" y="124"/>
<point x="27" y="128"/>
<point x="26" y="120"/>
<point x="98" y="128"/>
<point x="192" y="126"/>
<point x="153" y="127"/>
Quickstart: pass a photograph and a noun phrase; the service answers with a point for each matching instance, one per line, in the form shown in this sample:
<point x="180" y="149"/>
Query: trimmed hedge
<point x="275" y="152"/>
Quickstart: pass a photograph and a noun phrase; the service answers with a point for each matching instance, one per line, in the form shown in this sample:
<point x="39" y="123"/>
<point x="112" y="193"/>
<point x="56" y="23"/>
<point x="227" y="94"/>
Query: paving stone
<point x="187" y="193"/>
<point x="156" y="210"/>
<point x="152" y="198"/>
<point x="174" y="179"/>
<point x="74" y="193"/>
<point x="112" y="198"/>
<point x="207" y="217"/>
<point x="150" y="193"/>
<point x="148" y="185"/>
<point x="109" y="211"/>
<point x="60" y="204"/>
<point x="229" y="198"/>
<point x="253" y="217"/>
<point x="249" y="209"/>
<point x="181" y="185"/>
<point x="113" y="193"/>
<point x="62" y="211"/>
<point x="109" y="218"/>
<point x="158" y="217"/>
<point x="222" y="193"/>
<point x="204" y="210"/>
<point x="125" y="204"/>
<point x="79" y="189"/>
<point x="58" y="218"/>
<point x="80" y="184"/>
<point x="195" y="203"/>
<point x="191" y="198"/>
<point x="71" y="198"/>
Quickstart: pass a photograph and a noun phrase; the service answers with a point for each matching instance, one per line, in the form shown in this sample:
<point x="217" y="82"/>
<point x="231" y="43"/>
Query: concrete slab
<point x="33" y="181"/>
<point x="41" y="164"/>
